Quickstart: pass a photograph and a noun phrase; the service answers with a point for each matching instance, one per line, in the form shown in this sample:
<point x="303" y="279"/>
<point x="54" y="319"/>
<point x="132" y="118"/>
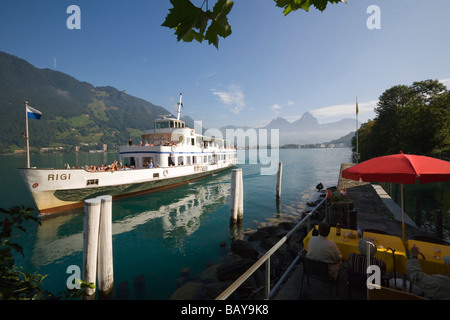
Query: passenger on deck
<point x="323" y="249"/>
<point x="436" y="286"/>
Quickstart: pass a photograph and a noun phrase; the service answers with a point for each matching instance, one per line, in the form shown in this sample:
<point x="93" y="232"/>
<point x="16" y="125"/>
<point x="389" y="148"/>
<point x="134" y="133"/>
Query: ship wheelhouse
<point x="167" y="132"/>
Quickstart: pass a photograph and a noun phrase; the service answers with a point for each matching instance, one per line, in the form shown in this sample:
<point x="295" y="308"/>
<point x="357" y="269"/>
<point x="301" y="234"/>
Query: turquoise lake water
<point x="157" y="235"/>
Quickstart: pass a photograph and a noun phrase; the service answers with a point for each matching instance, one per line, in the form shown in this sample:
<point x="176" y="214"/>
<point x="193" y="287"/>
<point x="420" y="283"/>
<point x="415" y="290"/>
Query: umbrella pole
<point x="403" y="212"/>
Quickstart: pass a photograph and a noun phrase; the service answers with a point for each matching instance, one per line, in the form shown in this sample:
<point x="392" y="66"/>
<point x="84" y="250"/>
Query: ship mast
<point x="180" y="104"/>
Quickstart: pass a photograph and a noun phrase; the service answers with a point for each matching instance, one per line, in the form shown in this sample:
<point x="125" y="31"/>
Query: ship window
<point x="92" y="182"/>
<point x="156" y="175"/>
<point x="162" y="124"/>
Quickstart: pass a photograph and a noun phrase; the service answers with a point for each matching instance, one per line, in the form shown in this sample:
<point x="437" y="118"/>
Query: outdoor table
<point x="348" y="245"/>
<point x="433" y="263"/>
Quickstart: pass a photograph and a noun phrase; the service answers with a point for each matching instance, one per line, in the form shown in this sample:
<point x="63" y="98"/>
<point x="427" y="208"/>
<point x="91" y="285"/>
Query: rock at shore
<point x="189" y="291"/>
<point x="233" y="270"/>
<point x="244" y="249"/>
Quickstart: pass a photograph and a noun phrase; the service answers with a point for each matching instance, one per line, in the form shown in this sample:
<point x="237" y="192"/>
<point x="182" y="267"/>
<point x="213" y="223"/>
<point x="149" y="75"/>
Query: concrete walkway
<point x="392" y="206"/>
<point x="376" y="210"/>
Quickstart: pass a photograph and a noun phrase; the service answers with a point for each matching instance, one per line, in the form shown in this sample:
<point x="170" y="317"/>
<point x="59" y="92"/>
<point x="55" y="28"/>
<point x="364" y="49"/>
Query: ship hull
<point x="57" y="190"/>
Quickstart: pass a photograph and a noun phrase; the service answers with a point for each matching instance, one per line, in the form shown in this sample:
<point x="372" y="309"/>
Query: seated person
<point x="357" y="262"/>
<point x="323" y="249"/>
<point x="436" y="286"/>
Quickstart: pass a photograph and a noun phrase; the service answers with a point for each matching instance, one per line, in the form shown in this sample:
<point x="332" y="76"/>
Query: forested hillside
<point x="75" y="113"/>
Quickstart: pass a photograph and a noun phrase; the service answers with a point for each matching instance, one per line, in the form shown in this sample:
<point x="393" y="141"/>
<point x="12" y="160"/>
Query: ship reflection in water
<point x="172" y="214"/>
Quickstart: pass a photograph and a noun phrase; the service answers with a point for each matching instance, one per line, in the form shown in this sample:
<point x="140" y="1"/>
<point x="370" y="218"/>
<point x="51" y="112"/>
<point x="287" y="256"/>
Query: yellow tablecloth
<point x="431" y="264"/>
<point x="382" y="241"/>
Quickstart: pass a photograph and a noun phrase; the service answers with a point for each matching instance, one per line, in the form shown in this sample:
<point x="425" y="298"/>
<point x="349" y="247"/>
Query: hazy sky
<point x="270" y="66"/>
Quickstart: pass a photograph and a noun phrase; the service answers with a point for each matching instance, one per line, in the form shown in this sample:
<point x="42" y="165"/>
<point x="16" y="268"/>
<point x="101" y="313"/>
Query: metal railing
<point x="266" y="259"/>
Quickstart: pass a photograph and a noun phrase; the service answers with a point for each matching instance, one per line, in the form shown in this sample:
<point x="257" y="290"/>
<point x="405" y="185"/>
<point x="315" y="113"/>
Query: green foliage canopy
<point x="413" y="119"/>
<point x="194" y="23"/>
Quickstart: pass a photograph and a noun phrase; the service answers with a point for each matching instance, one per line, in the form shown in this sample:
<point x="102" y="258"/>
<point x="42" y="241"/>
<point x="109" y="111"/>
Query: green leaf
<point x="191" y="22"/>
<point x="321" y="4"/>
<point x="86" y="285"/>
<point x="184" y="17"/>
<point x="17" y="247"/>
<point x="293" y="5"/>
<point x="219" y="25"/>
<point x="191" y="35"/>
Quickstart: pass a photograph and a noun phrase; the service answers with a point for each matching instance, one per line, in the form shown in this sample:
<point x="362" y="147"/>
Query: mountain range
<point x="308" y="130"/>
<point x="77" y="113"/>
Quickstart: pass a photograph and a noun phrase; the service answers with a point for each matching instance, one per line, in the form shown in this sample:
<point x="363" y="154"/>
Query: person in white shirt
<point x="436" y="286"/>
<point x="323" y="249"/>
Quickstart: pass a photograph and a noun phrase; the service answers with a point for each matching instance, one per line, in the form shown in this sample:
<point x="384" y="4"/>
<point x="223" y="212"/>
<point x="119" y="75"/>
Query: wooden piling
<point x="237" y="196"/>
<point x="105" y="274"/>
<point x="90" y="242"/>
<point x="279" y="174"/>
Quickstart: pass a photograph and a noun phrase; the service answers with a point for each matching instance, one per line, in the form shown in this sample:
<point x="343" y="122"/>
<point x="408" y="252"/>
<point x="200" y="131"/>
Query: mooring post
<point x="237" y="196"/>
<point x="241" y="197"/>
<point x="105" y="274"/>
<point x="279" y="174"/>
<point x="90" y="243"/>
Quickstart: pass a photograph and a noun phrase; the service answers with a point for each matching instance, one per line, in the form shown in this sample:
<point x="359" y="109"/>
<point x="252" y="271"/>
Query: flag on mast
<point x="33" y="113"/>
<point x="357" y="109"/>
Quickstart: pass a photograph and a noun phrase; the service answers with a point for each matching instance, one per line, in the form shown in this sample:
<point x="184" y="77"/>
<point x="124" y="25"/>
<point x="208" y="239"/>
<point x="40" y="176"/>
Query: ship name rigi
<point x="58" y="177"/>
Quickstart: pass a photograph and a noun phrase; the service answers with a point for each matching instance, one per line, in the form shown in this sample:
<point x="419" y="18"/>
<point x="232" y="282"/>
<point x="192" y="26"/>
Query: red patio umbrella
<point x="400" y="168"/>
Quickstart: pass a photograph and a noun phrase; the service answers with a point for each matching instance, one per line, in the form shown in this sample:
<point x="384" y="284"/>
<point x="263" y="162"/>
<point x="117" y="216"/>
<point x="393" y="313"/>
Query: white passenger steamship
<point x="169" y="154"/>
